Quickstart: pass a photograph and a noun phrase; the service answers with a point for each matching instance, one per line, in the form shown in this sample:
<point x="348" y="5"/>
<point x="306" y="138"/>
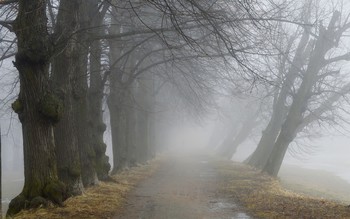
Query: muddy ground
<point x="184" y="187"/>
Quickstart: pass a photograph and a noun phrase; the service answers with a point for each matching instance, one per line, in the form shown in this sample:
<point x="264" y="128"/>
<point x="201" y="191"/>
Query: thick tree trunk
<point x="96" y="115"/>
<point x="295" y="115"/>
<point x="118" y="129"/>
<point x="63" y="67"/>
<point x="152" y="133"/>
<point x="262" y="153"/>
<point x="142" y="118"/>
<point x="37" y="108"/>
<point x="116" y="99"/>
<point x="286" y="136"/>
<point x="0" y="175"/>
<point x="130" y="131"/>
<point x="81" y="104"/>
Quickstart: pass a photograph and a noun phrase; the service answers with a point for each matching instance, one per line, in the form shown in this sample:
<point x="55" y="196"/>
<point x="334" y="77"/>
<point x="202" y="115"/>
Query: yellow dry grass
<point x="263" y="196"/>
<point x="101" y="201"/>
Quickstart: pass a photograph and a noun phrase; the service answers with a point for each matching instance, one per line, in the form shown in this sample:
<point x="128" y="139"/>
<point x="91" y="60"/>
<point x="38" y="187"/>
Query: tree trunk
<point x="117" y="98"/>
<point x="81" y="104"/>
<point x="131" y="130"/>
<point x="262" y="153"/>
<point x="142" y="129"/>
<point x="0" y="175"/>
<point x="225" y="145"/>
<point x="295" y="115"/>
<point x="118" y="127"/>
<point x="286" y="136"/>
<point x="246" y="129"/>
<point x="63" y="67"/>
<point x="96" y="115"/>
<point x="37" y="108"/>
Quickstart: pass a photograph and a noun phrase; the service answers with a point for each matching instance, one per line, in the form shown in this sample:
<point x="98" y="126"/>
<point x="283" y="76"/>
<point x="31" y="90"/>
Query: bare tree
<point x="37" y="107"/>
<point x="312" y="87"/>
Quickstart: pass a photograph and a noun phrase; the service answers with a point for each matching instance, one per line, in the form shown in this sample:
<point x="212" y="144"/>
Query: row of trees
<point x="136" y="63"/>
<point x="75" y="57"/>
<point x="310" y="89"/>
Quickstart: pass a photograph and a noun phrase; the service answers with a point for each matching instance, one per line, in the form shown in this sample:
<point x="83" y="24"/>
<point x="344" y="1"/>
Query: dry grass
<point x="264" y="197"/>
<point x="102" y="201"/>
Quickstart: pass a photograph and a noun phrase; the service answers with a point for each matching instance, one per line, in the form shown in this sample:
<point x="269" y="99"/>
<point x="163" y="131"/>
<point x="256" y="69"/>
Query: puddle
<point x="241" y="216"/>
<point x="219" y="205"/>
<point x="215" y="206"/>
<point x="208" y="174"/>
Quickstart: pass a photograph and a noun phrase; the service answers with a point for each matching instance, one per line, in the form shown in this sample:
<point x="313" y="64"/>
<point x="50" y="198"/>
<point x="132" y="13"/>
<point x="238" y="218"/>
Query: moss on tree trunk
<point x="32" y="62"/>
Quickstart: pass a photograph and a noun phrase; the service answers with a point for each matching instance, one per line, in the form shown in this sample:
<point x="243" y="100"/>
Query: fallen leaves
<point x="102" y="201"/>
<point x="264" y="197"/>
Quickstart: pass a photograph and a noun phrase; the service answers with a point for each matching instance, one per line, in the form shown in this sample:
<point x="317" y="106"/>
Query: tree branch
<point x="7" y="24"/>
<point x="7" y="2"/>
<point x="345" y="57"/>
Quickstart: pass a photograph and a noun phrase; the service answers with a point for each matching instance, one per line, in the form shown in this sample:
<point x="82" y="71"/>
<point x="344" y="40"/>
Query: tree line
<point x="310" y="91"/>
<point x="75" y="57"/>
<point x="135" y="63"/>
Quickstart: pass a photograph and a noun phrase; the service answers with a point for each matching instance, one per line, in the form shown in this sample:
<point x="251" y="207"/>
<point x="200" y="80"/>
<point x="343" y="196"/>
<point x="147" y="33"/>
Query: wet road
<point x="184" y="187"/>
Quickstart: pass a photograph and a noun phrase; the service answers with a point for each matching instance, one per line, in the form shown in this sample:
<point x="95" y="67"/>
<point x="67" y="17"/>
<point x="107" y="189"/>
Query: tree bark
<point x="295" y="115"/>
<point x="81" y="104"/>
<point x="37" y="107"/>
<point x="63" y="67"/>
<point x="0" y="175"/>
<point x="142" y="118"/>
<point x="118" y="99"/>
<point x="262" y="153"/>
<point x="118" y="128"/>
<point x="96" y="115"/>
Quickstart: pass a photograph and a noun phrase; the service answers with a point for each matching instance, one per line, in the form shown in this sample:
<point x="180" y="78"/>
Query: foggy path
<point x="184" y="187"/>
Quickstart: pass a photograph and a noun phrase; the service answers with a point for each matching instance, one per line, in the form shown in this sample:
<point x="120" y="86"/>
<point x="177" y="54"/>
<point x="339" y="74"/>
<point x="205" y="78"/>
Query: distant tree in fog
<point x="310" y="89"/>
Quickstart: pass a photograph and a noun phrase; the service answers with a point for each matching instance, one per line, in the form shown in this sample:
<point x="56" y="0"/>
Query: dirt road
<point x="185" y="187"/>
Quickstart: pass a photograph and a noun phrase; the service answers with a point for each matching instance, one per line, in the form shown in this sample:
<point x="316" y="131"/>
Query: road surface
<point x="185" y="187"/>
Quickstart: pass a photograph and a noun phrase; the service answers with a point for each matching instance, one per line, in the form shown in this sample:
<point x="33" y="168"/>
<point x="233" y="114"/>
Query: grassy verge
<point x="264" y="197"/>
<point x="317" y="183"/>
<point x="102" y="201"/>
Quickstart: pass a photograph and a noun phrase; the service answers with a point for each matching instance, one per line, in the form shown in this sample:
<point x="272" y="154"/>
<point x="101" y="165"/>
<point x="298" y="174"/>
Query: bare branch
<point x="7" y="2"/>
<point x="7" y="24"/>
<point x="345" y="57"/>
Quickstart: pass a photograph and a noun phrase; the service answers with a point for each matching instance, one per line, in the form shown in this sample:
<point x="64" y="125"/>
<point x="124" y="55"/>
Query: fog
<point x="328" y="152"/>
<point x="264" y="84"/>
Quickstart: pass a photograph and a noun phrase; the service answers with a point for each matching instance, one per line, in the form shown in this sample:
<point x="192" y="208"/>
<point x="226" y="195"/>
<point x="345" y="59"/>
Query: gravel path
<point x="185" y="187"/>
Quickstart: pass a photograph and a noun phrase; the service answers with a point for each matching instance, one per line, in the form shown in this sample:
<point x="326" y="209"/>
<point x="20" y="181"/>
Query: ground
<point x="184" y="187"/>
<point x="189" y="187"/>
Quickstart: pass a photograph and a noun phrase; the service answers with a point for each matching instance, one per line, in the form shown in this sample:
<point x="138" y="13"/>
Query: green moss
<point x="51" y="107"/>
<point x="106" y="164"/>
<point x="55" y="192"/>
<point x="33" y="189"/>
<point x="91" y="152"/>
<point x="74" y="171"/>
<point x="100" y="147"/>
<point x="17" y="204"/>
<point x="38" y="202"/>
<point x="17" y="106"/>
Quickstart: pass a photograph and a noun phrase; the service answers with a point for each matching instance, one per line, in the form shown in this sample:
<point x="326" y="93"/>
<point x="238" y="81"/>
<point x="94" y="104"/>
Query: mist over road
<point x="186" y="186"/>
